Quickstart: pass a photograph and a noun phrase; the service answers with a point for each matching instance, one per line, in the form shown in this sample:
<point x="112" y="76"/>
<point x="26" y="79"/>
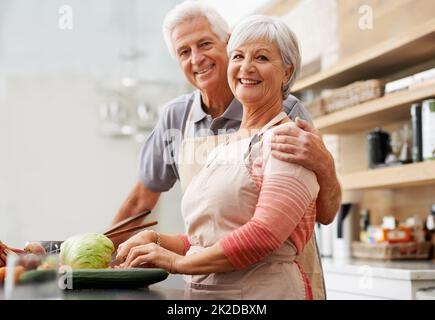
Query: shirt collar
<point x="233" y="112"/>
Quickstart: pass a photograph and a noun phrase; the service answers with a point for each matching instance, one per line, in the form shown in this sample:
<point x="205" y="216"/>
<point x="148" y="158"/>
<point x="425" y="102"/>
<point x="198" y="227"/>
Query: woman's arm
<point x="283" y="204"/>
<point x="302" y="144"/>
<point x="285" y="208"/>
<point x="178" y="244"/>
<point x="272" y="224"/>
<point x="210" y="260"/>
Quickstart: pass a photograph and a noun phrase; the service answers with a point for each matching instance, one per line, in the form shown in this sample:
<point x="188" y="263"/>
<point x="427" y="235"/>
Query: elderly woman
<point x="248" y="214"/>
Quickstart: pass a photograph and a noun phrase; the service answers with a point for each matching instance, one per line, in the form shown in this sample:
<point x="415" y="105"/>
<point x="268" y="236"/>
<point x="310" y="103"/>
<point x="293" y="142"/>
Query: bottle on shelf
<point x="430" y="229"/>
<point x="430" y="220"/>
<point x="364" y="223"/>
<point x="406" y="151"/>
<point x="428" y="129"/>
<point x="417" y="147"/>
<point x="379" y="147"/>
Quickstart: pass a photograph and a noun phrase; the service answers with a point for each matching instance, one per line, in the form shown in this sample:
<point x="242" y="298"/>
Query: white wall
<point x="315" y="24"/>
<point x="58" y="175"/>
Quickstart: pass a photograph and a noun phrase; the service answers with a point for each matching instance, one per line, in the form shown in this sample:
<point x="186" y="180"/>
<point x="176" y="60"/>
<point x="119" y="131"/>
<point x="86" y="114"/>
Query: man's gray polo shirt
<point x="157" y="160"/>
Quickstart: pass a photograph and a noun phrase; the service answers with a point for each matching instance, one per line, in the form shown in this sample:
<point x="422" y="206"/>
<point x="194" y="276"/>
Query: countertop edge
<point x="398" y="270"/>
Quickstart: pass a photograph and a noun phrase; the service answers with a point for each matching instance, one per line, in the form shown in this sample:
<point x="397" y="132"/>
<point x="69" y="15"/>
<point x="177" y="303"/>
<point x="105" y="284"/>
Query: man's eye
<point x="205" y="44"/>
<point x="183" y="52"/>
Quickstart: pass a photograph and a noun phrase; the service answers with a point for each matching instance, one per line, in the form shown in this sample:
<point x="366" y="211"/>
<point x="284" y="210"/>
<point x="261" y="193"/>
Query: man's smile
<point x="204" y="70"/>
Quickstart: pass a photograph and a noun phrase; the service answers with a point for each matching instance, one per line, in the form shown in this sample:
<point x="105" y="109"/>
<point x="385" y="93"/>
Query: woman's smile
<point x="249" y="82"/>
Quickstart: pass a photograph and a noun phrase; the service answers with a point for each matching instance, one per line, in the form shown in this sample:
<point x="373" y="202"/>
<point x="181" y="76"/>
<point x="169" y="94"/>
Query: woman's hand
<point x="141" y="238"/>
<point x="152" y="255"/>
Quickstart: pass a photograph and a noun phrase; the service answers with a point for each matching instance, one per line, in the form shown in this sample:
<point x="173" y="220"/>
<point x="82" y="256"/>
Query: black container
<point x="417" y="142"/>
<point x="379" y="147"/>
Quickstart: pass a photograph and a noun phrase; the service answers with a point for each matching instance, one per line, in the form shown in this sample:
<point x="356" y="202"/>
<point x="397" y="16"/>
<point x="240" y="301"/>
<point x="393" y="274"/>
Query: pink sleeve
<point x="282" y="203"/>
<point x="186" y="243"/>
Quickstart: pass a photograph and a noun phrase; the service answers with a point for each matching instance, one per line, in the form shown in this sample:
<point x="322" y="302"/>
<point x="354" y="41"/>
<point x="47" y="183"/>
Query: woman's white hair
<point x="274" y="30"/>
<point x="189" y="10"/>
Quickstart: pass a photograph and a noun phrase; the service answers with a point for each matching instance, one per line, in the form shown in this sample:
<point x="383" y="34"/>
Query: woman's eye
<point x="262" y="58"/>
<point x="237" y="56"/>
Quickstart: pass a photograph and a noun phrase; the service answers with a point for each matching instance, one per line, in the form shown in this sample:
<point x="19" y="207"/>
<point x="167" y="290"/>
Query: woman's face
<point x="256" y="73"/>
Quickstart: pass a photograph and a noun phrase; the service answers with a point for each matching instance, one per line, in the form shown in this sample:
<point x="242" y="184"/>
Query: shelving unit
<point x="402" y="191"/>
<point x="390" y="108"/>
<point x="416" y="46"/>
<point x="383" y="190"/>
<point x="415" y="174"/>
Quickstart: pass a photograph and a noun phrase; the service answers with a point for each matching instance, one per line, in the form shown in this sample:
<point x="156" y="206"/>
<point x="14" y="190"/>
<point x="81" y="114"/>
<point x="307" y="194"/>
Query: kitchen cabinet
<point x="375" y="280"/>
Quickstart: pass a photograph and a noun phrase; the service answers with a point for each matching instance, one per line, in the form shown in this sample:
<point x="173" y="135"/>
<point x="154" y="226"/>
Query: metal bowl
<point x="51" y="246"/>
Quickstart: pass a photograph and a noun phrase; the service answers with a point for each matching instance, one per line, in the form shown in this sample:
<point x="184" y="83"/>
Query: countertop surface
<point x="154" y="292"/>
<point x="170" y="289"/>
<point x="405" y="270"/>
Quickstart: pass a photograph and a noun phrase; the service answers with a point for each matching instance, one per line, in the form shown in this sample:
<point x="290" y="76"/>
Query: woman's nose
<point x="247" y="66"/>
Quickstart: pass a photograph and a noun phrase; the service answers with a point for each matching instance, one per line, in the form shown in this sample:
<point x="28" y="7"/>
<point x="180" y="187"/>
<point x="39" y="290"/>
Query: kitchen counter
<point x="403" y="270"/>
<point x="172" y="288"/>
<point x="154" y="292"/>
<point x="375" y="279"/>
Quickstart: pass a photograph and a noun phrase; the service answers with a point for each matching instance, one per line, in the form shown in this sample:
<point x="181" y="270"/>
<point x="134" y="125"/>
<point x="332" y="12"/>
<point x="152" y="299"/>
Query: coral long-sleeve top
<point x="286" y="208"/>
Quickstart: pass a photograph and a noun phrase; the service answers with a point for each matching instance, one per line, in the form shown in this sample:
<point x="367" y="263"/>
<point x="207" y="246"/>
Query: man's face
<point x="201" y="54"/>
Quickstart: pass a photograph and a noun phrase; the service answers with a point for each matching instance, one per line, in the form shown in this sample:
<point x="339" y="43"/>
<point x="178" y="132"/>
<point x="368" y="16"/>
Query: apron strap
<point x="272" y="122"/>
<point x="188" y="122"/>
<point x="257" y="137"/>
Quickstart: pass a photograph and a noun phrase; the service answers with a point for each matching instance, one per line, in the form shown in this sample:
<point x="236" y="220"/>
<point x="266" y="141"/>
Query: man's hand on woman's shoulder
<point x="300" y="143"/>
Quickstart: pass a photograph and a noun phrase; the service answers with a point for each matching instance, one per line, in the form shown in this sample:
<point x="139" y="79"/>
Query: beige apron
<point x="193" y="153"/>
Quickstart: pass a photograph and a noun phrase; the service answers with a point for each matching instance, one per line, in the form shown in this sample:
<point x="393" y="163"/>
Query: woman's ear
<point x="288" y="73"/>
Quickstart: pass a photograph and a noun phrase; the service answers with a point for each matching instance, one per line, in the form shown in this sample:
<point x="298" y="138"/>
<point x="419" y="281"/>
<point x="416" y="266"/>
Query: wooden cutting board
<point x="101" y="278"/>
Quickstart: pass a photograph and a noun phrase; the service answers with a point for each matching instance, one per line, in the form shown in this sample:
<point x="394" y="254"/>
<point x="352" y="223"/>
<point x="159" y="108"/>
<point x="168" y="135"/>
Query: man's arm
<point x="303" y="145"/>
<point x="139" y="199"/>
<point x="156" y="168"/>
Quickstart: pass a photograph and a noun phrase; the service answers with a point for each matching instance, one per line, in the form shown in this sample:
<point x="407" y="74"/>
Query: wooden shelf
<point x="411" y="48"/>
<point x="390" y="108"/>
<point x="415" y="174"/>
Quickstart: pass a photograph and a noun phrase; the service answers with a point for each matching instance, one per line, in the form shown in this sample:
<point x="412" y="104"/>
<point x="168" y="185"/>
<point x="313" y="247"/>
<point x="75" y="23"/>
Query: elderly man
<point x="197" y="36"/>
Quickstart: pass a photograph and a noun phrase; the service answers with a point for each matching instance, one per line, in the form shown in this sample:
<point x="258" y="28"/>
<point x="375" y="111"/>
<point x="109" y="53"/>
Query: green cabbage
<point x="87" y="251"/>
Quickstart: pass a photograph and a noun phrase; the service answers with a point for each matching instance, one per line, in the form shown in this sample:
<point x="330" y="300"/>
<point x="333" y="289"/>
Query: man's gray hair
<point x="189" y="10"/>
<point x="271" y="29"/>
